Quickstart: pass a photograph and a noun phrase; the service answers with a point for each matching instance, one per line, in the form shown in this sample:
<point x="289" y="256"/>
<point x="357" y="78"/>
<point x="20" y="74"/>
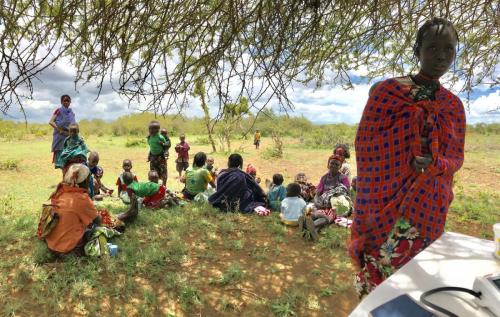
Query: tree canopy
<point x="156" y="51"/>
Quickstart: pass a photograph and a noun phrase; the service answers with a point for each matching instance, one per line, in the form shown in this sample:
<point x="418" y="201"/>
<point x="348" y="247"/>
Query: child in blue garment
<point x="74" y="149"/>
<point x="277" y="192"/>
<point x="293" y="206"/>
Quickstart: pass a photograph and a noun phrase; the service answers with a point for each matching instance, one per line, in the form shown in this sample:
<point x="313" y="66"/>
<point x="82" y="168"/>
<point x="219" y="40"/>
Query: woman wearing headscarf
<point x="75" y="210"/>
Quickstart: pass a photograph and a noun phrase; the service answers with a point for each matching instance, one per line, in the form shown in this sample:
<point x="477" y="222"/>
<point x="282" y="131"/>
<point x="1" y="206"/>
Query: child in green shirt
<point x="157" y="144"/>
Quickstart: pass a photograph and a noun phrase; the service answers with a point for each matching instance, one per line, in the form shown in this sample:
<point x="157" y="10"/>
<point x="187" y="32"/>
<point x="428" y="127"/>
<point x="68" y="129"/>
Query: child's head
<point x="182" y="137"/>
<point x="251" y="170"/>
<point x="128" y="178"/>
<point x="301" y="178"/>
<point x="73" y="129"/>
<point x="65" y="100"/>
<point x="127" y="165"/>
<point x="210" y="161"/>
<point x="235" y="160"/>
<point x="293" y="190"/>
<point x="199" y="159"/>
<point x="277" y="179"/>
<point x="164" y="132"/>
<point x="93" y="159"/>
<point x="154" y="127"/>
<point x="342" y="150"/>
<point x="353" y="183"/>
<point x="153" y="176"/>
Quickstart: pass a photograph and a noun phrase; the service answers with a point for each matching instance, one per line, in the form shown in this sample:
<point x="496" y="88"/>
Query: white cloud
<point x="326" y="104"/>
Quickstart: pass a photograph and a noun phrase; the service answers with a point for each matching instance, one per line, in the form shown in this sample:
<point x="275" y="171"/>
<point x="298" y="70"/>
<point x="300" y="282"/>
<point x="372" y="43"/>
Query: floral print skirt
<point x="403" y="244"/>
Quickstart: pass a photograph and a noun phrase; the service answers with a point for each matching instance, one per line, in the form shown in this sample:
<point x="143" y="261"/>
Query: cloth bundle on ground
<point x="262" y="211"/>
<point x="236" y="190"/>
<point x="97" y="241"/>
<point x="74" y="151"/>
<point x="336" y="197"/>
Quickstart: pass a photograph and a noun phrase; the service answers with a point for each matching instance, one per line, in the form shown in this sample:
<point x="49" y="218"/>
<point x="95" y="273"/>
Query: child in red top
<point x="182" y="149"/>
<point x="122" y="187"/>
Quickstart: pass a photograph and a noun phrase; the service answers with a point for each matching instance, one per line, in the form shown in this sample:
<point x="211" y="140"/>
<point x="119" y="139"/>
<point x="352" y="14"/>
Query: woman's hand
<point x="420" y="163"/>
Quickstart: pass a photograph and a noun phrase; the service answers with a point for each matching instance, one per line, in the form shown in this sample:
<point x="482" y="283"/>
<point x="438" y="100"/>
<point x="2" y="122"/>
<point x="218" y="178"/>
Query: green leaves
<point x="252" y="49"/>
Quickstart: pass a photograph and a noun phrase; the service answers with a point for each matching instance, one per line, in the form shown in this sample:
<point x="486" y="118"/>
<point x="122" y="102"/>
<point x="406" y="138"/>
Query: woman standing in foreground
<point x="409" y="144"/>
<point x="60" y="121"/>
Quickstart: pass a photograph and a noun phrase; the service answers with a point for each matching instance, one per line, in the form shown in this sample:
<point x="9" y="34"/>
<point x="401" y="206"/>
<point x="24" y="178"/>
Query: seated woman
<point x="332" y="197"/>
<point x="197" y="177"/>
<point x="75" y="210"/>
<point x="329" y="185"/>
<point x="236" y="190"/>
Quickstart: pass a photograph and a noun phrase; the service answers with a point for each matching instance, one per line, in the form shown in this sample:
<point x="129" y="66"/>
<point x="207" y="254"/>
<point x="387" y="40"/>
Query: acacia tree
<point x="151" y="51"/>
<point x="233" y="114"/>
<point x="199" y="91"/>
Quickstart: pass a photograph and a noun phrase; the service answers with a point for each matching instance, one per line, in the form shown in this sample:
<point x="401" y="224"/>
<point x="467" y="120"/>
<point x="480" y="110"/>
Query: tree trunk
<point x="207" y="122"/>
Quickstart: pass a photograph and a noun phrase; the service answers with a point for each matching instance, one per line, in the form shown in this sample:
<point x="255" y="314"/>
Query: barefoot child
<point x="308" y="190"/>
<point x="157" y="144"/>
<point x="97" y="172"/>
<point x="277" y="192"/>
<point x="182" y="149"/>
<point x="293" y="206"/>
<point x="153" y="193"/>
<point x="122" y="187"/>
<point x="211" y="168"/>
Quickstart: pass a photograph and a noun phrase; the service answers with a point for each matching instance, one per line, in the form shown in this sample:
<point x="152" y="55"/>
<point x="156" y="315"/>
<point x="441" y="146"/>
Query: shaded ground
<point x="195" y="261"/>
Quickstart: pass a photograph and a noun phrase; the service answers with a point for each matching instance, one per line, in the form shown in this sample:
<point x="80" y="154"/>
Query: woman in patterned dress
<point x="409" y="144"/>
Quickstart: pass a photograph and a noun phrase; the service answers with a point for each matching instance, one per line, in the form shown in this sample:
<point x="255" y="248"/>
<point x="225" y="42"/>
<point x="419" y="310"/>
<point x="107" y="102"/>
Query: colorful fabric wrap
<point x="389" y="188"/>
<point x="74" y="151"/>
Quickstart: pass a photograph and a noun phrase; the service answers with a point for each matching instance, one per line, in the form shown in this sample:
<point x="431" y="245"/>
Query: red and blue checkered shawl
<point x="389" y="188"/>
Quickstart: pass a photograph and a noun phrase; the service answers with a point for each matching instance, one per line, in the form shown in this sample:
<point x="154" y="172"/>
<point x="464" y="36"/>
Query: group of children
<point x="294" y="202"/>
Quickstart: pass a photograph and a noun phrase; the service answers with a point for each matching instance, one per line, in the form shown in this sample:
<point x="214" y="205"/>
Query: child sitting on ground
<point x="155" y="195"/>
<point x="293" y="206"/>
<point x="277" y="192"/>
<point x="157" y="145"/>
<point x="74" y="150"/>
<point x="211" y="168"/>
<point x="307" y="190"/>
<point x="122" y="187"/>
<point x="97" y="172"/>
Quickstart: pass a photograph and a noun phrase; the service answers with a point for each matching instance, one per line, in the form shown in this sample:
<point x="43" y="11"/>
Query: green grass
<point x="194" y="260"/>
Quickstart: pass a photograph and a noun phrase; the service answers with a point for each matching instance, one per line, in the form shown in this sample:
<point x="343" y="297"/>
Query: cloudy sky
<point x="324" y="105"/>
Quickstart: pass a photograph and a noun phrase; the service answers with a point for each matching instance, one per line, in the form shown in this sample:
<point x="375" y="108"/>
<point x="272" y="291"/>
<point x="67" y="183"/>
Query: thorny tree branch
<point x="154" y="52"/>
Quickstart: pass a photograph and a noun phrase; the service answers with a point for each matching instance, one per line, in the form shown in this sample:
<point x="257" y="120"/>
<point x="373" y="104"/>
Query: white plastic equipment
<point x="489" y="286"/>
